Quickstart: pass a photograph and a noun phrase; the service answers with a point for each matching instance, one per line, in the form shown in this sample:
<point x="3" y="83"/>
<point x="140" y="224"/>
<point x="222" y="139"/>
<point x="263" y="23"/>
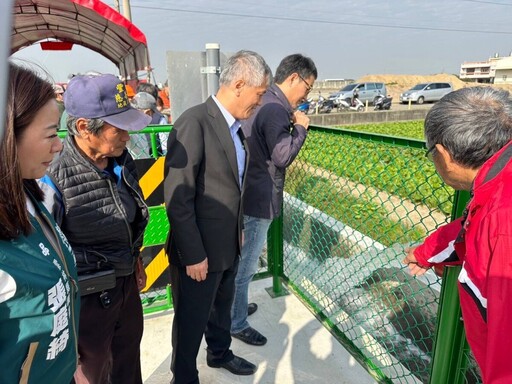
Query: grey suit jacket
<point x="202" y="190"/>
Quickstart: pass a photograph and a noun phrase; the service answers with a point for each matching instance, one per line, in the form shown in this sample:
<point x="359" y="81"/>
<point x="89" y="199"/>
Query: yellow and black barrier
<point x="151" y="173"/>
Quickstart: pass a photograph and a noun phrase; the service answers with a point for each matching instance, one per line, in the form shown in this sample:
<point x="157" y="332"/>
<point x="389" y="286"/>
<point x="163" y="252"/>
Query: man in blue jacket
<point x="275" y="134"/>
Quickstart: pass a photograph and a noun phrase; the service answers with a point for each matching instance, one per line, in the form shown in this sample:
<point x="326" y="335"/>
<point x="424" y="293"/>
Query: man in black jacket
<point x="204" y="173"/>
<point x="275" y="135"/>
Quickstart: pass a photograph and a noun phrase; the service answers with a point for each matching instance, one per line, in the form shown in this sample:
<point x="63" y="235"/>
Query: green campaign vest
<point x="39" y="305"/>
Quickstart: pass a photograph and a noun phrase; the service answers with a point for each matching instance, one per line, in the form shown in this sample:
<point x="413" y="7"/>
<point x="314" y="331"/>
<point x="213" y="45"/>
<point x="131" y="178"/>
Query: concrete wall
<point x="347" y="118"/>
<point x="503" y="76"/>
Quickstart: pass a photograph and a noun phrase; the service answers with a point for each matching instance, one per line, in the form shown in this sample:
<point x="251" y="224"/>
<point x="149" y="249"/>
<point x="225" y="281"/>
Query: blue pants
<point x="255" y="234"/>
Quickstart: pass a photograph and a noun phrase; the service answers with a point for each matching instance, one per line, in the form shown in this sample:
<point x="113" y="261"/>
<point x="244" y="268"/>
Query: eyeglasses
<point x="429" y="154"/>
<point x="308" y="87"/>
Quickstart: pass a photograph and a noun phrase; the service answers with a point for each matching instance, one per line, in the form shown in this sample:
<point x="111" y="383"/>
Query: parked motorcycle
<point x="325" y="105"/>
<point x="321" y="105"/>
<point x="304" y="107"/>
<point x="382" y="103"/>
<point x="357" y="105"/>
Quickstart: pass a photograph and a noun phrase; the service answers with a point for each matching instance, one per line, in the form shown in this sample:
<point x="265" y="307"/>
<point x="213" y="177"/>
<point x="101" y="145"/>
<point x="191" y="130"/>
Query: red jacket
<point x="484" y="247"/>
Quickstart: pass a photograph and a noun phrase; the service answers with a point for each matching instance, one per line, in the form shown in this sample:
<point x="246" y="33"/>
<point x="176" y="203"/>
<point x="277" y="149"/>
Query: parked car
<point x="423" y="92"/>
<point x="367" y="92"/>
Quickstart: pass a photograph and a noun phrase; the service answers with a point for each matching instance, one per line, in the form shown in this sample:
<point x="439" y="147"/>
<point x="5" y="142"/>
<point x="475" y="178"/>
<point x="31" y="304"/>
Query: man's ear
<point x="294" y="76"/>
<point x="445" y="156"/>
<point x="81" y="127"/>
<point x="238" y="86"/>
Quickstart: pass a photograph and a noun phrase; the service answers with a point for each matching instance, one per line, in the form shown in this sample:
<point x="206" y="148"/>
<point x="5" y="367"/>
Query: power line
<point x="487" y="2"/>
<point x="324" y="21"/>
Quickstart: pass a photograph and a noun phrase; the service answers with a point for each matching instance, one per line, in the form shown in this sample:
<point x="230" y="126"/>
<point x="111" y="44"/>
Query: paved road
<point x="398" y="106"/>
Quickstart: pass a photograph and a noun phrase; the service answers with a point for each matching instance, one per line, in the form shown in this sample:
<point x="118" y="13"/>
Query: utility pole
<point x="127" y="12"/>
<point x="116" y="6"/>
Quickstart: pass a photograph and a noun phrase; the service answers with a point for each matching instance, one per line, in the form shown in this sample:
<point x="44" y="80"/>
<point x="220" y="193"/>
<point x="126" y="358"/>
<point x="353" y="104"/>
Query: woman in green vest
<point x="38" y="283"/>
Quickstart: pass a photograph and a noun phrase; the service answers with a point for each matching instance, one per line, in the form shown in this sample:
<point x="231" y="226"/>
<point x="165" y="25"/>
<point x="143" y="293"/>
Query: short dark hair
<point x="27" y="93"/>
<point x="295" y="63"/>
<point x="471" y="123"/>
<point x="148" y="88"/>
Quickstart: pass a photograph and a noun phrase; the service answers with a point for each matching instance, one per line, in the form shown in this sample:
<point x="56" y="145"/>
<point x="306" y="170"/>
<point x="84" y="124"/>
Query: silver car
<point x="423" y="92"/>
<point x="367" y="92"/>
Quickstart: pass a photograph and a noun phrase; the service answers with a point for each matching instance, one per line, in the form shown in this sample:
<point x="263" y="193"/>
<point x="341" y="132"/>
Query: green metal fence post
<point x="275" y="254"/>
<point x="448" y="359"/>
<point x="154" y="145"/>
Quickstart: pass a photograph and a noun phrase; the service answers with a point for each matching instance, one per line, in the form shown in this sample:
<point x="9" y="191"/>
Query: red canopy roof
<point x="89" y="23"/>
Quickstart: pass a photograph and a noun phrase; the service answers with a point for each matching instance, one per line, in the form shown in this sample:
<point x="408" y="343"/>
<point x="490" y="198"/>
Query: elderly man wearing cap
<point x="93" y="192"/>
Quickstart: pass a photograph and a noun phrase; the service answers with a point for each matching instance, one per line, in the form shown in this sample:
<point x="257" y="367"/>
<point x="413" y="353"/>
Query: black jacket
<point x="87" y="206"/>
<point x="202" y="190"/>
<point x="274" y="142"/>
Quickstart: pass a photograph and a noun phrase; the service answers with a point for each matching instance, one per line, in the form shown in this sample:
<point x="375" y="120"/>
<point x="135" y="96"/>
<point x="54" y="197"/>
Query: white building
<point x="495" y="70"/>
<point x="504" y="71"/>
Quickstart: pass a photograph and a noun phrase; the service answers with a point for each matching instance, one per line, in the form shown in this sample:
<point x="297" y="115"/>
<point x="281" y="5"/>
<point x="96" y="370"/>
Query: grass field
<point x="329" y="160"/>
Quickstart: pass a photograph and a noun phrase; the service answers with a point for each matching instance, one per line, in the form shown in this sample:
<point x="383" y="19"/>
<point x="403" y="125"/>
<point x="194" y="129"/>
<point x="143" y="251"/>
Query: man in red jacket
<point x="468" y="135"/>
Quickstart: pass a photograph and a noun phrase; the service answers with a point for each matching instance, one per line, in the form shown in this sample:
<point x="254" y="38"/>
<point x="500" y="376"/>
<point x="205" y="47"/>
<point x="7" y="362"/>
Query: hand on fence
<point x="414" y="268"/>
<point x="198" y="271"/>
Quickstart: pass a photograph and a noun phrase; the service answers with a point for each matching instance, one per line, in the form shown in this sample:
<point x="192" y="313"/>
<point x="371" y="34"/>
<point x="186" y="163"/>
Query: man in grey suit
<point x="204" y="171"/>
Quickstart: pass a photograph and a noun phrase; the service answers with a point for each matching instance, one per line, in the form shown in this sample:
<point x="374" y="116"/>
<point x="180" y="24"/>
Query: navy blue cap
<point x="103" y="97"/>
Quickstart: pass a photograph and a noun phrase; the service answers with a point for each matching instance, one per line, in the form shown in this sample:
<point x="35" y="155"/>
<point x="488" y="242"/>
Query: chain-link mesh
<point x="150" y="142"/>
<point x="353" y="203"/>
<point x="469" y="372"/>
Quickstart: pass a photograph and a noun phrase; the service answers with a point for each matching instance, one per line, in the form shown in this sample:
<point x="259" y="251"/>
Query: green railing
<point x="354" y="202"/>
<point x="145" y="143"/>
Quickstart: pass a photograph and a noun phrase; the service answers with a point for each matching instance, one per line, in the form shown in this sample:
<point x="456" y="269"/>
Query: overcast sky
<point x="345" y="38"/>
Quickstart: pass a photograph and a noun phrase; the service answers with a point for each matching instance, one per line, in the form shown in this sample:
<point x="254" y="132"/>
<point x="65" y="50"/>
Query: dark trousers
<point x="200" y="308"/>
<point x="109" y="338"/>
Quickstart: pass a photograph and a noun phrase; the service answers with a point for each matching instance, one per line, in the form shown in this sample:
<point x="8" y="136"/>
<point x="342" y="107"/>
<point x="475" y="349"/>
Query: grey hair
<point x="93" y="125"/>
<point x="248" y="66"/>
<point x="471" y="123"/>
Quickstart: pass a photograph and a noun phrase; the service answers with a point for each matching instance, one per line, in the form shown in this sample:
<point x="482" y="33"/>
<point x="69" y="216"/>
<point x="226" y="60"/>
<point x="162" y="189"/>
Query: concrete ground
<point x="299" y="349"/>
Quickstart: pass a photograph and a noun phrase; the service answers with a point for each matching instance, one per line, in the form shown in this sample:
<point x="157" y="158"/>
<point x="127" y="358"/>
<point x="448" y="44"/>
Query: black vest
<point x="95" y="221"/>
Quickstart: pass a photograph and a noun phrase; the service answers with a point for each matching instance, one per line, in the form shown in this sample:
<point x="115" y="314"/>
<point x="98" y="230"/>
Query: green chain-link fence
<point x="151" y="142"/>
<point x="353" y="203"/>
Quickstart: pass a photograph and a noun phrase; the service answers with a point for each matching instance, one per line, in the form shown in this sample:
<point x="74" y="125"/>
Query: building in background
<point x="497" y="70"/>
<point x="504" y="71"/>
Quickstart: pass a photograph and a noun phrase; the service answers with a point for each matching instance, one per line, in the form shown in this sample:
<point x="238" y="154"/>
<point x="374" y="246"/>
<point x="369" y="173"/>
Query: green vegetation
<point x="411" y="129"/>
<point x="331" y="166"/>
<point x="358" y="213"/>
<point x="400" y="171"/>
